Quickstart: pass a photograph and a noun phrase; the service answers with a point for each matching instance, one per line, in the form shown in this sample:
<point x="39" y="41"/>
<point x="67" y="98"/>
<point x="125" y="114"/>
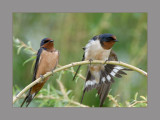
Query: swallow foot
<point x="106" y="61"/>
<point x="52" y="71"/>
<point x="42" y="77"/>
<point x="90" y="60"/>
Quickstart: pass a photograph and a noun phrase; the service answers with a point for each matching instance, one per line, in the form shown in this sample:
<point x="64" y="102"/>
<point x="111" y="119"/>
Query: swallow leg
<point x="90" y="60"/>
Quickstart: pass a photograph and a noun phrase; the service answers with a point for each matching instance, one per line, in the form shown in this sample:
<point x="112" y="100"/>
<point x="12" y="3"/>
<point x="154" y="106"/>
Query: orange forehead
<point x="114" y="37"/>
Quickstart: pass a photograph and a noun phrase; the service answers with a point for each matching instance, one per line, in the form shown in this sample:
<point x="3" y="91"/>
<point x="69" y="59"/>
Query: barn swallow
<point x="47" y="60"/>
<point x="100" y="76"/>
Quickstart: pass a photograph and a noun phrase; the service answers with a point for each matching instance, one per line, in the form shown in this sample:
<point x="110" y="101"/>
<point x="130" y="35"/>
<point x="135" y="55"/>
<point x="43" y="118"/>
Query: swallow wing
<point x="29" y="98"/>
<point x="79" y="66"/>
<point x="114" y="70"/>
<point x="110" y="72"/>
<point x="36" y="64"/>
<point x="103" y="89"/>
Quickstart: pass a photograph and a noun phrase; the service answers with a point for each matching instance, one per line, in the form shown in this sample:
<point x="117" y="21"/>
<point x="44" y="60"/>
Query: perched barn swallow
<point x="47" y="60"/>
<point x="100" y="76"/>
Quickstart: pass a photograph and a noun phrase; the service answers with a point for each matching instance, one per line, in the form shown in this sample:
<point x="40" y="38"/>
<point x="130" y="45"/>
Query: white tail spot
<point x="109" y="78"/>
<point x="90" y="82"/>
<point x="103" y="79"/>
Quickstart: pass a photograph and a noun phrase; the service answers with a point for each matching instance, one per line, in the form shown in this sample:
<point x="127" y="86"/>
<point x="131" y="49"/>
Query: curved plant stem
<point x="56" y="98"/>
<point x="76" y="64"/>
<point x="132" y="105"/>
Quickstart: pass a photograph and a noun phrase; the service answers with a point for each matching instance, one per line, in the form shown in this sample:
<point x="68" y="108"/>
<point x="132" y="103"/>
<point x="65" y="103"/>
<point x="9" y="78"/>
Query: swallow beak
<point x="51" y="40"/>
<point x="115" y="40"/>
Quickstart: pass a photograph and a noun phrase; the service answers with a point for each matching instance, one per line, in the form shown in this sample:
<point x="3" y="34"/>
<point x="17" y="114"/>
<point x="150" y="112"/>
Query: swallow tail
<point x="86" y="87"/>
<point x="103" y="91"/>
<point x="24" y="101"/>
<point x="106" y="80"/>
<point x="28" y="99"/>
<point x="107" y="76"/>
<point x="111" y="71"/>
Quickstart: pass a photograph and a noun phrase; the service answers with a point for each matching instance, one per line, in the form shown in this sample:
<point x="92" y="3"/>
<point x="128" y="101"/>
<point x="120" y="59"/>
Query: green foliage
<point x="51" y="97"/>
<point x="71" y="32"/>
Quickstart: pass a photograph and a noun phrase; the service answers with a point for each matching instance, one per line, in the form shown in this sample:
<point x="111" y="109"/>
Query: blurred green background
<point x="71" y="32"/>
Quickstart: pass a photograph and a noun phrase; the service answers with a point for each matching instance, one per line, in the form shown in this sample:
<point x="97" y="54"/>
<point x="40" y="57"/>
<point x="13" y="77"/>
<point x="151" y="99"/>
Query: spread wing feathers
<point x="106" y="79"/>
<point x="115" y="70"/>
<point x="78" y="68"/>
<point x="30" y="97"/>
<point x="110" y="71"/>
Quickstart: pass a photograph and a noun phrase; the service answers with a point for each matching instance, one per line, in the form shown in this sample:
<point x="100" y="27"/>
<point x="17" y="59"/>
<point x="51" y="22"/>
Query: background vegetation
<point x="71" y="32"/>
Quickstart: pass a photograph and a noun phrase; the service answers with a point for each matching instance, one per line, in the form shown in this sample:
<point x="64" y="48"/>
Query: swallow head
<point x="47" y="43"/>
<point x="107" y="40"/>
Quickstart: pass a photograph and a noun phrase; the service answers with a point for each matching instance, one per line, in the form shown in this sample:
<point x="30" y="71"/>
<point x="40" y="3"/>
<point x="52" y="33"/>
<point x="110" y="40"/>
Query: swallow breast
<point x="48" y="62"/>
<point x="94" y="51"/>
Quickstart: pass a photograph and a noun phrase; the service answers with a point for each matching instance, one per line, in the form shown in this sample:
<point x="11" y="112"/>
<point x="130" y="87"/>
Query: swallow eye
<point x="110" y="38"/>
<point x="45" y="41"/>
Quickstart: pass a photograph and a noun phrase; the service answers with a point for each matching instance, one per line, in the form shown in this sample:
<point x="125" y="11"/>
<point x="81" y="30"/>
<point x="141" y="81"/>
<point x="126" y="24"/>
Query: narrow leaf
<point x="29" y="44"/>
<point x="33" y="66"/>
<point x="135" y="97"/>
<point x="69" y="91"/>
<point x="19" y="49"/>
<point x="143" y="98"/>
<point x="30" y="59"/>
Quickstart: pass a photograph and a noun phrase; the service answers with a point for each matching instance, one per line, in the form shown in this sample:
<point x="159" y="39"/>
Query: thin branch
<point x="76" y="64"/>
<point x="114" y="100"/>
<point x="79" y="75"/>
<point x="62" y="89"/>
<point x="77" y="103"/>
<point x="56" y="98"/>
<point x="26" y="46"/>
<point x="132" y="105"/>
<point x="66" y="96"/>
